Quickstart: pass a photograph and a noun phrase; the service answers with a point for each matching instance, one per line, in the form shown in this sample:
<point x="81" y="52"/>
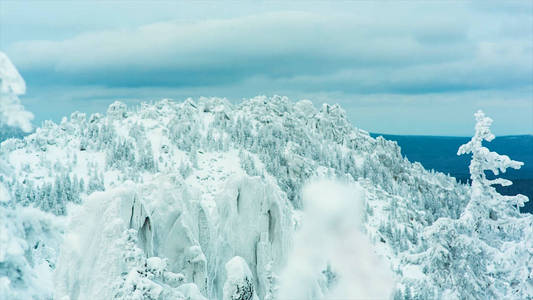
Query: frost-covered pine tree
<point x="504" y="233"/>
<point x="485" y="252"/>
<point x="485" y="199"/>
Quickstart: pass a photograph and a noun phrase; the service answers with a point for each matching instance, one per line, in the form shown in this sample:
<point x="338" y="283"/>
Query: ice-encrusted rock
<point x="170" y="222"/>
<point x="239" y="283"/>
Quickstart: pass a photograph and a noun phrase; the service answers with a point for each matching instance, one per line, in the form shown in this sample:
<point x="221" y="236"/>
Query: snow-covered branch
<point x="12" y="112"/>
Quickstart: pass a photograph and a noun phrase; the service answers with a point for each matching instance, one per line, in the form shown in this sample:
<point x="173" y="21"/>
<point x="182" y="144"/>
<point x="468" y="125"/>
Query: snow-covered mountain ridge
<point x="202" y="198"/>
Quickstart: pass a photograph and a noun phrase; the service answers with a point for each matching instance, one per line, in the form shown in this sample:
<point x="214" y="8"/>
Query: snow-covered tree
<point x="12" y="112"/>
<point x="496" y="219"/>
<point x="485" y="201"/>
<point x="28" y="239"/>
<point x="468" y="256"/>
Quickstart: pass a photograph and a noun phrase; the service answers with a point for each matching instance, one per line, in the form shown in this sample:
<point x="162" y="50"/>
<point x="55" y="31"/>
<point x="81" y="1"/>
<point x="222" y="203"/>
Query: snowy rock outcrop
<point x="203" y="200"/>
<point x="239" y="283"/>
<point x="172" y="221"/>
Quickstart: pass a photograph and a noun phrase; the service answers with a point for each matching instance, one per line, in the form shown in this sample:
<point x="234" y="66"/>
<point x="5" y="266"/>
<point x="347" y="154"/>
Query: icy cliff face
<point x="194" y="230"/>
<point x="202" y="199"/>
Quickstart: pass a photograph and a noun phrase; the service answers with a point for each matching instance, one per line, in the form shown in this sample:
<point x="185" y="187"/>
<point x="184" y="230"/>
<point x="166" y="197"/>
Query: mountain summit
<point x="204" y="199"/>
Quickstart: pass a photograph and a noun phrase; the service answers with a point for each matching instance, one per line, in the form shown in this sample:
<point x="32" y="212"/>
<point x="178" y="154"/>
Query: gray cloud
<point x="361" y="50"/>
<point x="275" y="45"/>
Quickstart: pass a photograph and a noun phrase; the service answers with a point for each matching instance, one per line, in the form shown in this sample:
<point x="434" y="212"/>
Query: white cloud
<point x="359" y="50"/>
<point x="274" y="44"/>
<point x="371" y="49"/>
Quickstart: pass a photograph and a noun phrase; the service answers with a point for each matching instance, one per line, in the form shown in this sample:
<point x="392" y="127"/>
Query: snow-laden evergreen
<point x="29" y="237"/>
<point x="201" y="199"/>
<point x="12" y="85"/>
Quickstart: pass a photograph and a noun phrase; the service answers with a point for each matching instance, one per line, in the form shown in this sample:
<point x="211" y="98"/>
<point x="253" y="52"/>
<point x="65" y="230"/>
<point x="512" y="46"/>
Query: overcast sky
<point x="404" y="67"/>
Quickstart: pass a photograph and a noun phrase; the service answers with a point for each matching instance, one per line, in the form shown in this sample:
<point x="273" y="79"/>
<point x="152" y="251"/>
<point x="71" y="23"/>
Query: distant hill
<point x="440" y="154"/>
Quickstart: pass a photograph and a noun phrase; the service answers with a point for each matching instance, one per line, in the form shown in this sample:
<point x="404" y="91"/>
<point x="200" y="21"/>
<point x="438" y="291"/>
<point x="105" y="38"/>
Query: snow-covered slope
<point x="201" y="199"/>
